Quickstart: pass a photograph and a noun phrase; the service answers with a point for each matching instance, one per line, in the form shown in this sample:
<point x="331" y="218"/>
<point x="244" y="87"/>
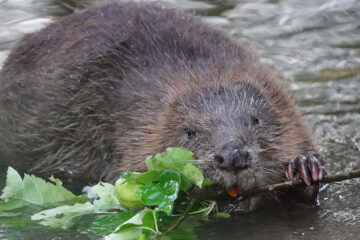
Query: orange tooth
<point x="233" y="192"/>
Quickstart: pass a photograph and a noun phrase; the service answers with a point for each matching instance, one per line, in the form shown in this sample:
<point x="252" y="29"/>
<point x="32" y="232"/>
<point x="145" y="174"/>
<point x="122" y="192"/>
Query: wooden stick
<point x="214" y="193"/>
<point x="297" y="182"/>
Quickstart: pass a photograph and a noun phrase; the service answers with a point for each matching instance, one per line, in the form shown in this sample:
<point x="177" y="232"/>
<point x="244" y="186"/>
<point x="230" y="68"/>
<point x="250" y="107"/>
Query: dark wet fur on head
<point x="98" y="91"/>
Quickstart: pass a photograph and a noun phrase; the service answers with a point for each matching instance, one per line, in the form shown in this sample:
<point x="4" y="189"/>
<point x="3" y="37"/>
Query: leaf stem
<point x="181" y="217"/>
<point x="211" y="207"/>
<point x="207" y="209"/>
<point x="155" y="221"/>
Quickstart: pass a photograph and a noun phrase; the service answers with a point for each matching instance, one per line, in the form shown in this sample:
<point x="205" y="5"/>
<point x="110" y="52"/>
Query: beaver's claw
<point x="311" y="171"/>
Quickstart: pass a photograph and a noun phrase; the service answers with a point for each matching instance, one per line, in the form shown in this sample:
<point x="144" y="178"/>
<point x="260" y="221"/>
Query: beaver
<point x="97" y="91"/>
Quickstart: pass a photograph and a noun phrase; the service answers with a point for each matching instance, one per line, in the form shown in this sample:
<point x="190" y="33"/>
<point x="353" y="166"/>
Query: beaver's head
<point x="233" y="131"/>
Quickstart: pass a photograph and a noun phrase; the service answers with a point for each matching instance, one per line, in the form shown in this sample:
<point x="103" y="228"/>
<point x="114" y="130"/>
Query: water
<point x="316" y="46"/>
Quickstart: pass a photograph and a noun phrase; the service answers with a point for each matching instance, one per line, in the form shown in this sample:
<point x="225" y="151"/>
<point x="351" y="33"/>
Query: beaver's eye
<point x="255" y="121"/>
<point x="190" y="133"/>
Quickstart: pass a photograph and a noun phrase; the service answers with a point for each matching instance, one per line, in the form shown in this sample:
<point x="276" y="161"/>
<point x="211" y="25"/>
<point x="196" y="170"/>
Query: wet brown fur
<point x="98" y="91"/>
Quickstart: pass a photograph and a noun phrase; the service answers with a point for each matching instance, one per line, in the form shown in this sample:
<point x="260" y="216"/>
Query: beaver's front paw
<point x="309" y="169"/>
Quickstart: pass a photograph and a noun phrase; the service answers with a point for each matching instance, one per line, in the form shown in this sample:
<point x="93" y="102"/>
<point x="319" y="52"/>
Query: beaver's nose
<point x="232" y="157"/>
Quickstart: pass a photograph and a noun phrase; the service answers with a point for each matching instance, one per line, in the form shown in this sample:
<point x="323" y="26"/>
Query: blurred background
<point x="316" y="47"/>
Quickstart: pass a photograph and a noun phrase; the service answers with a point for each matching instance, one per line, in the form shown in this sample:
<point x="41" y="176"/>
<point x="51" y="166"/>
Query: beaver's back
<point x="63" y="88"/>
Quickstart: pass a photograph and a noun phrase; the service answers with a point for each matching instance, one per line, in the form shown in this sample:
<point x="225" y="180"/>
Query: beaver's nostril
<point x="219" y="160"/>
<point x="242" y="160"/>
<point x="223" y="162"/>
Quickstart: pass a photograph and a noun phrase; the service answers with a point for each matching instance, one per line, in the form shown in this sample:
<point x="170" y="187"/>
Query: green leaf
<point x="137" y="220"/>
<point x="144" y="218"/>
<point x="137" y="227"/>
<point x="151" y="194"/>
<point x="126" y="193"/>
<point x="12" y="204"/>
<point x="64" y="216"/>
<point x="108" y="223"/>
<point x="146" y="177"/>
<point x="127" y="234"/>
<point x="143" y="237"/>
<point x="169" y="182"/>
<point x="14" y="185"/>
<point x="178" y="159"/>
<point x="173" y="158"/>
<point x="107" y="196"/>
<point x="163" y="194"/>
<point x="32" y="190"/>
<point x="192" y="174"/>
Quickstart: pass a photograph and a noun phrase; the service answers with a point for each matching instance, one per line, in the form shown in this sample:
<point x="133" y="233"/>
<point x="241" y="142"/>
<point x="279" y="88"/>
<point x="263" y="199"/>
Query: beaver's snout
<point x="232" y="157"/>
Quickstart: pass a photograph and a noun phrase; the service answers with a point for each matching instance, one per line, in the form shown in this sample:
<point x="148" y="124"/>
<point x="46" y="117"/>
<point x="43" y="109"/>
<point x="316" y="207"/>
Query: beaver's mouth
<point x="230" y="199"/>
<point x="235" y="190"/>
<point x="236" y="183"/>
